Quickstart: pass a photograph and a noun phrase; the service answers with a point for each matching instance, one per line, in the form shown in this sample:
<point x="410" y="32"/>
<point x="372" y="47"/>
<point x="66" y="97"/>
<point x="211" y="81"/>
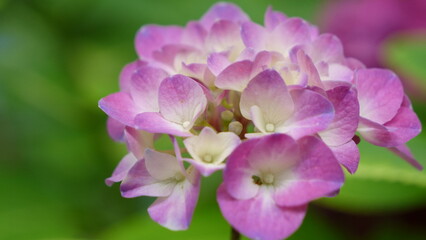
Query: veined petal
<point x="345" y="122"/>
<point x="121" y="107"/>
<point x="217" y="62"/>
<point x="211" y="148"/>
<point x="237" y="176"/>
<point x="348" y="155"/>
<point x="403" y="127"/>
<point x="175" y="211"/>
<point x="145" y="86"/>
<point x="327" y="48"/>
<point x="155" y="123"/>
<point x="254" y="36"/>
<point x="153" y="37"/>
<point x="313" y="113"/>
<point x="224" y="36"/>
<point x="122" y="169"/>
<point x="269" y="92"/>
<point x="317" y="175"/>
<point x="259" y="217"/>
<point x="126" y="74"/>
<point x="273" y="18"/>
<point x="162" y="166"/>
<point x="139" y="182"/>
<point x="236" y="76"/>
<point x="138" y="141"/>
<point x="223" y="11"/>
<point x="181" y="100"/>
<point x="307" y="67"/>
<point x="291" y="32"/>
<point x="380" y="94"/>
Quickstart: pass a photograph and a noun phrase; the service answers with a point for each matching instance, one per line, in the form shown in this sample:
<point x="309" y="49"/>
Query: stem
<point x="235" y="235"/>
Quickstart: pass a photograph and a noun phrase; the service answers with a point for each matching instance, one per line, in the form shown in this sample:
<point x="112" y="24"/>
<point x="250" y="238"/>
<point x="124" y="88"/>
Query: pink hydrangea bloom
<point x="276" y="106"/>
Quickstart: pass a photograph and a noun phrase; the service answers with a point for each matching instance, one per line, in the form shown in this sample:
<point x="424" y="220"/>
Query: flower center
<point x="179" y="177"/>
<point x="267" y="178"/>
<point x="185" y="124"/>
<point x="208" y="158"/>
<point x="270" y="127"/>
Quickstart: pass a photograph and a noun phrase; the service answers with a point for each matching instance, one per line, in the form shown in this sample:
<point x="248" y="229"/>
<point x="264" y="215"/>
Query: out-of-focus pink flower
<point x="364" y="25"/>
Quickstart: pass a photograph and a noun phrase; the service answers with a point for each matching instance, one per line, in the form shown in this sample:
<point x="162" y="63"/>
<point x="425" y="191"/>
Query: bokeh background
<point x="59" y="57"/>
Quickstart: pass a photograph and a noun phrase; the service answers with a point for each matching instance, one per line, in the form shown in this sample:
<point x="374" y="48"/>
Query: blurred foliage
<point x="58" y="57"/>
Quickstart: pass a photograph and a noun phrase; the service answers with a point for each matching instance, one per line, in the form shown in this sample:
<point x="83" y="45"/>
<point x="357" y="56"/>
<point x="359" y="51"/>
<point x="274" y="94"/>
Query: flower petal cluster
<point x="276" y="107"/>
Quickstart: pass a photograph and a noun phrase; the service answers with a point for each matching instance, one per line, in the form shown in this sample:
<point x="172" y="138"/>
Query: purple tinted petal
<point x="126" y="74"/>
<point x="307" y="67"/>
<point x="224" y="36"/>
<point x="327" y="48"/>
<point x="151" y="38"/>
<point x="380" y="94"/>
<point x="115" y="129"/>
<point x="253" y="35"/>
<point x="268" y="92"/>
<point x="292" y="32"/>
<point x="139" y="182"/>
<point x="121" y="107"/>
<point x="345" y="122"/>
<point x="217" y="62"/>
<point x="122" y="169"/>
<point x="259" y="217"/>
<point x="175" y="211"/>
<point x="317" y="175"/>
<point x="145" y="84"/>
<point x="223" y="11"/>
<point x="404" y="152"/>
<point x="155" y="123"/>
<point x="238" y="173"/>
<point x="348" y="155"/>
<point x="236" y="76"/>
<point x="273" y="18"/>
<point x="313" y="113"/>
<point x="205" y="169"/>
<point x="181" y="100"/>
<point x="161" y="166"/>
<point x="194" y="34"/>
<point x="138" y="141"/>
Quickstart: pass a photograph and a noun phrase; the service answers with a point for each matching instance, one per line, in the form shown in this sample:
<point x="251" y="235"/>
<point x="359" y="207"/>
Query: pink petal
<point x="139" y="182"/>
<point x="313" y="113"/>
<point x="348" y="155"/>
<point x="402" y="128"/>
<point x="259" y="217"/>
<point x="292" y="32"/>
<point x="115" y="129"/>
<point x="126" y="74"/>
<point x="152" y="38"/>
<point x="155" y="123"/>
<point x="122" y="169"/>
<point x="318" y="174"/>
<point x="223" y="11"/>
<point x="224" y="36"/>
<point x="273" y="18"/>
<point x="194" y="34"/>
<point x="268" y="92"/>
<point x="254" y="36"/>
<point x="181" y="100"/>
<point x="175" y="211"/>
<point x="236" y="76"/>
<point x="205" y="169"/>
<point x="307" y="67"/>
<point x="238" y="173"/>
<point x="138" y="141"/>
<point x="404" y="152"/>
<point x="327" y="48"/>
<point x="145" y="84"/>
<point x="161" y="166"/>
<point x="380" y="94"/>
<point x="121" y="107"/>
<point x="217" y="62"/>
<point x="345" y="122"/>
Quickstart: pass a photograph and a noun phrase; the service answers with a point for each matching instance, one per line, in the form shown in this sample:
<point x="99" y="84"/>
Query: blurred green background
<point x="58" y="58"/>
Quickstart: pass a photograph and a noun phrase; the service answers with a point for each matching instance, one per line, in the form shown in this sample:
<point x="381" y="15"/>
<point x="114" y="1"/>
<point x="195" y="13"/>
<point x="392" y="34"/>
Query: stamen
<point x="186" y="124"/>
<point x="268" y="178"/>
<point x="208" y="158"/>
<point x="270" y="127"/>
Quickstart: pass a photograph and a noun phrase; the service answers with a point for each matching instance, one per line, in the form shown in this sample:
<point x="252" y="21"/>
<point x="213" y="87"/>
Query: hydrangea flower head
<point x="276" y="107"/>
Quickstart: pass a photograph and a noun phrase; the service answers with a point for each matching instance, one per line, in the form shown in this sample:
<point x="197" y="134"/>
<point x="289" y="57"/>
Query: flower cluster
<point x="276" y="107"/>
